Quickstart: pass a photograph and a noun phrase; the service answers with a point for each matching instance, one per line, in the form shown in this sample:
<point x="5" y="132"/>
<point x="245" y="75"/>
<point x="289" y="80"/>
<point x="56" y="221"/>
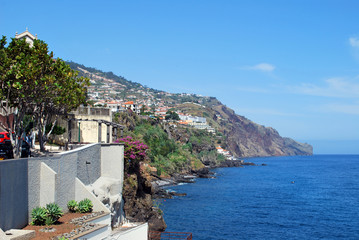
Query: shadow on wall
<point x="13" y="194"/>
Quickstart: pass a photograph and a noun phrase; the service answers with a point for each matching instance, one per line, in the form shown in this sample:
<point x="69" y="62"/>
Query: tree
<point x="35" y="83"/>
<point x="170" y="115"/>
<point x="143" y="109"/>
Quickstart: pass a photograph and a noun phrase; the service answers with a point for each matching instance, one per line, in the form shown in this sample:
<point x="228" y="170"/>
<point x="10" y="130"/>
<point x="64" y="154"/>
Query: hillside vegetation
<point x="172" y="150"/>
<point x="239" y="135"/>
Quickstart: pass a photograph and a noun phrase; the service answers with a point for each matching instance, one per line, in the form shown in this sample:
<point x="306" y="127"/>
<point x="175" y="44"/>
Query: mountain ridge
<point x="241" y="136"/>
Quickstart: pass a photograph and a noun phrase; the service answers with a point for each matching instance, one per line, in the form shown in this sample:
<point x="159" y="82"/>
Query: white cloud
<point x="354" y="42"/>
<point x="342" y="94"/>
<point x="352" y="109"/>
<point x="264" y="67"/>
<point x="334" y="87"/>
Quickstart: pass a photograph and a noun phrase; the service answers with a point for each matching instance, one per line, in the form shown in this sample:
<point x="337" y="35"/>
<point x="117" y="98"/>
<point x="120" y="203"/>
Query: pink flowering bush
<point x="135" y="152"/>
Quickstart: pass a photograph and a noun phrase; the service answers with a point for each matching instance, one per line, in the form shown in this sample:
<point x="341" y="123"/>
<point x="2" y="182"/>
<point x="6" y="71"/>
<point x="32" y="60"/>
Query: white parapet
<point x="138" y="232"/>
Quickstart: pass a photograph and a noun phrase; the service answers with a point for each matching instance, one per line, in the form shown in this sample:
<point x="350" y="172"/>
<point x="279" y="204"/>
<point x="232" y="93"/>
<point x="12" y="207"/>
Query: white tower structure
<point x="29" y="38"/>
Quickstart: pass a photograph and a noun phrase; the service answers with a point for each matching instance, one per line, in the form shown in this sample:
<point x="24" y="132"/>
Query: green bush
<point x="49" y="215"/>
<point x="72" y="205"/>
<point x="39" y="215"/>
<point x="170" y="115"/>
<point x="85" y="206"/>
<point x="49" y="221"/>
<point x="54" y="212"/>
<point x="157" y="140"/>
<point x="57" y="130"/>
<point x="170" y="156"/>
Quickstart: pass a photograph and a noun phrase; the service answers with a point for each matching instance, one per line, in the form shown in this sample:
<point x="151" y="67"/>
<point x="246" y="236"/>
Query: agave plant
<point x="85" y="206"/>
<point x="72" y="205"/>
<point x="38" y="215"/>
<point x="54" y="212"/>
<point x="63" y="238"/>
<point x="49" y="221"/>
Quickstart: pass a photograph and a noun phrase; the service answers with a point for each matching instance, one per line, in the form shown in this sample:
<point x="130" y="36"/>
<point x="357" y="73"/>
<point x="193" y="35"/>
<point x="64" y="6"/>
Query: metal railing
<point x="153" y="235"/>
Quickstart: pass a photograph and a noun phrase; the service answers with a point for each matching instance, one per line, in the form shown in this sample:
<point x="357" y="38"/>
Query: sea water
<point x="302" y="197"/>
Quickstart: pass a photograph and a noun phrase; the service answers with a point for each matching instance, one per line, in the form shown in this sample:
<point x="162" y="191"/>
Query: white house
<point x="29" y="38"/>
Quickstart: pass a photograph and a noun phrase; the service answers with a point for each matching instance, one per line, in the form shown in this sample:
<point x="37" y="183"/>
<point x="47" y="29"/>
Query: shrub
<point x="54" y="212"/>
<point x="72" y="205"/>
<point x="135" y="151"/>
<point x="49" y="221"/>
<point x="85" y="206"/>
<point x="57" y="130"/>
<point x="38" y="215"/>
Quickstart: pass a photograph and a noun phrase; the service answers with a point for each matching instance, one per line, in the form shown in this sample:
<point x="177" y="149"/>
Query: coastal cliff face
<point x="248" y="139"/>
<point x="242" y="137"/>
<point x="138" y="201"/>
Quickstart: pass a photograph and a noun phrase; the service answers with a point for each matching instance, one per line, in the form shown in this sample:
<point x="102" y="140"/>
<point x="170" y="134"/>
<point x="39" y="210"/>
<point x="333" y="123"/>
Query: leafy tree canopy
<point x="35" y="83"/>
<point x="170" y="115"/>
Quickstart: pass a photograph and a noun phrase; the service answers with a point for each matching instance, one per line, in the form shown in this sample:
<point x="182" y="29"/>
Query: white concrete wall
<point x="47" y="185"/>
<point x="139" y="233"/>
<point x="112" y="175"/>
<point x="112" y="163"/>
<point x="81" y="193"/>
<point x="97" y="235"/>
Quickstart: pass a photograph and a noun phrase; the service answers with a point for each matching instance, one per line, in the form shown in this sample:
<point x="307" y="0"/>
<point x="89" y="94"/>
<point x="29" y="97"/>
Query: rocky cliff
<point x="138" y="202"/>
<point x="245" y="138"/>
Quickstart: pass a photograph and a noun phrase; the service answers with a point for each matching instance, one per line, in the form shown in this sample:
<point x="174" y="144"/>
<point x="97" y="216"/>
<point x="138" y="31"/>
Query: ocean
<point x="300" y="197"/>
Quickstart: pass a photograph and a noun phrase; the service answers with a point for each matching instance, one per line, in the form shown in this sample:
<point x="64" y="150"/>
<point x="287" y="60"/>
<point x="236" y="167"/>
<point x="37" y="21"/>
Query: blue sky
<point x="292" y="65"/>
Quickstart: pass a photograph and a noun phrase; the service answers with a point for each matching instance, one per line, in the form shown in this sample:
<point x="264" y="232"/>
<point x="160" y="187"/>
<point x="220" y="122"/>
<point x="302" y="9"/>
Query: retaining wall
<point x="83" y="163"/>
<point x="29" y="183"/>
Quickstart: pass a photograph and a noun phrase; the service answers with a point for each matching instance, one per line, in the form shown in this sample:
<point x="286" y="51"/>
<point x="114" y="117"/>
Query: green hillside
<point x="239" y="135"/>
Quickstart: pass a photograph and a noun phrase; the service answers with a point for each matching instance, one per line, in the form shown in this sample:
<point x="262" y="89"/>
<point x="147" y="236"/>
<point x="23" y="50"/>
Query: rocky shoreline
<point x="158" y="183"/>
<point x="142" y="187"/>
